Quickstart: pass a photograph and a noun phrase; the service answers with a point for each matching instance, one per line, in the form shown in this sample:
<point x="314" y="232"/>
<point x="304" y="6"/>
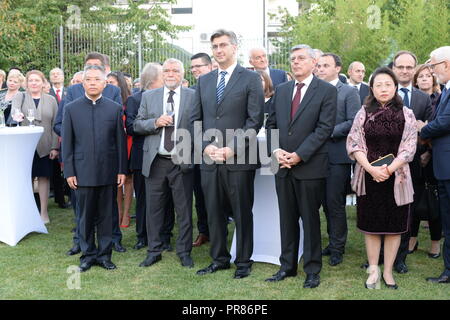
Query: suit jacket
<point x="45" y="116"/>
<point x="277" y="76"/>
<point x="94" y="142"/>
<point x="132" y="106"/>
<point x="348" y="104"/>
<point x="438" y="131"/>
<point x="76" y="91"/>
<point x="152" y="107"/>
<point x="241" y="107"/>
<point x="53" y="94"/>
<point x="310" y="129"/>
<point x="363" y="92"/>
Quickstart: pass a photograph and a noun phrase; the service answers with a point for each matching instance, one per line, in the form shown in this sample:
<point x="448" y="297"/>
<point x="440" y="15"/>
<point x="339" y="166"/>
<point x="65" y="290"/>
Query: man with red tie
<point x="303" y="115"/>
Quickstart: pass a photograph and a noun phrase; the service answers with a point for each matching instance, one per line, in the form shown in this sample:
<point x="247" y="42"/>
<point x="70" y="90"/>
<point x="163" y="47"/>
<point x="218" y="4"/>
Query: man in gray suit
<point x="339" y="168"/>
<point x="161" y="116"/>
<point x="232" y="98"/>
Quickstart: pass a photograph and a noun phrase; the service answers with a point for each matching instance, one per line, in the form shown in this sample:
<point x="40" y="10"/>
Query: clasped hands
<point x="286" y="159"/>
<point x="218" y="154"/>
<point x="379" y="173"/>
<point x="73" y="184"/>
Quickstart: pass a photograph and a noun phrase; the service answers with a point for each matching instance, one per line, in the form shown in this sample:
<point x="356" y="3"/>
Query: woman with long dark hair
<point x="382" y="127"/>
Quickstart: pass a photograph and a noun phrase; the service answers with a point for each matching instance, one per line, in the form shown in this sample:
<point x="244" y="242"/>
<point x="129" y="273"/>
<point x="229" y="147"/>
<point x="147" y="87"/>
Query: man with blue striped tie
<point x="228" y="98"/>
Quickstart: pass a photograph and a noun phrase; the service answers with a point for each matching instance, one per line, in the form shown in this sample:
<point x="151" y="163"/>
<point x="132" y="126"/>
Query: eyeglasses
<point x="432" y="65"/>
<point x="222" y="45"/>
<point x="198" y="66"/>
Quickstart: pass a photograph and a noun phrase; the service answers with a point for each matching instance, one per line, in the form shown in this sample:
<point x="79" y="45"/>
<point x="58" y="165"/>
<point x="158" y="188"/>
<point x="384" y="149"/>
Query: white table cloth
<point x="18" y="212"/>
<point x="266" y="218"/>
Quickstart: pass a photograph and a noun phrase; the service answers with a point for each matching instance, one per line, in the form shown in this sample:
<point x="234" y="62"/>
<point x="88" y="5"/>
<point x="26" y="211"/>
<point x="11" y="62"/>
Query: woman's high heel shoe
<point x="128" y="223"/>
<point x="371" y="270"/>
<point x="390" y="286"/>
<point x="414" y="249"/>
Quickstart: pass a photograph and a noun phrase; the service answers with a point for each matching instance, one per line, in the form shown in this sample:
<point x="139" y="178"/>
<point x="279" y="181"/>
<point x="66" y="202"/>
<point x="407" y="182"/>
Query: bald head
<point x="356" y="72"/>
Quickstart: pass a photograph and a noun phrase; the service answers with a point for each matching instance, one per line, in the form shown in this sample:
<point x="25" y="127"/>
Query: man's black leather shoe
<point x="74" y="250"/>
<point x="212" y="268"/>
<point x="242" y="272"/>
<point x="335" y="259"/>
<point x="326" y="251"/>
<point x="280" y="275"/>
<point x="401" y="267"/>
<point x="441" y="279"/>
<point x="85" y="266"/>
<point x="105" y="264"/>
<point x="118" y="247"/>
<point x="139" y="245"/>
<point x="186" y="261"/>
<point x="150" y="260"/>
<point x="312" y="281"/>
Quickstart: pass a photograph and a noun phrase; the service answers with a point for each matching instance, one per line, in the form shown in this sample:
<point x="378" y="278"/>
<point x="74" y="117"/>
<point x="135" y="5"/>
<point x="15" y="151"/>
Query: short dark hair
<point x="204" y="56"/>
<point x="223" y="32"/>
<point x="402" y="52"/>
<point x="372" y="103"/>
<point x="336" y="58"/>
<point x="95" y="55"/>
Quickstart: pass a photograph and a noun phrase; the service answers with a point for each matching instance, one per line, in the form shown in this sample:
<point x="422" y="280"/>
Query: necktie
<point x="296" y="102"/>
<point x="221" y="86"/>
<point x="169" y="130"/>
<point x="356" y="88"/>
<point x="58" y="97"/>
<point x="405" y="97"/>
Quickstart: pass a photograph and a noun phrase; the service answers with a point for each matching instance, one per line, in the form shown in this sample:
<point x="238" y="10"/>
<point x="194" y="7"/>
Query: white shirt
<point x="448" y="85"/>
<point x="176" y="107"/>
<point x="334" y="82"/>
<point x="229" y="71"/>
<point x="307" y="82"/>
<point x="402" y="94"/>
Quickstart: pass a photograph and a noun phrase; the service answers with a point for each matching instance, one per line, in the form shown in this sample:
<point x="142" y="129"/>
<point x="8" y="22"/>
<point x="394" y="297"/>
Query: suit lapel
<point x="310" y="92"/>
<point x="210" y="87"/>
<point x="182" y="105"/>
<point x="288" y="104"/>
<point x="231" y="82"/>
<point x="442" y="102"/>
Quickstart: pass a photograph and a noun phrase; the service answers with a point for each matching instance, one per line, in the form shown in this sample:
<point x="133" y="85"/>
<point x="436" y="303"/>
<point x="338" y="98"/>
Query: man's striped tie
<point x="221" y="86"/>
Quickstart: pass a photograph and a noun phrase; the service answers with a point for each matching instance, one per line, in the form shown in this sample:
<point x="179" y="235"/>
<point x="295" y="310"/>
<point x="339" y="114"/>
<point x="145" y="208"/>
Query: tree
<point x="28" y="27"/>
<point x="370" y="31"/>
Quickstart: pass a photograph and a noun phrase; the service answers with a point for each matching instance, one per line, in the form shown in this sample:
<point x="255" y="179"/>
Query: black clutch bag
<point x="387" y="160"/>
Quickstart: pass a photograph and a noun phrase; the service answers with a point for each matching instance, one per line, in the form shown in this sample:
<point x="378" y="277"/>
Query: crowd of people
<point x="386" y="140"/>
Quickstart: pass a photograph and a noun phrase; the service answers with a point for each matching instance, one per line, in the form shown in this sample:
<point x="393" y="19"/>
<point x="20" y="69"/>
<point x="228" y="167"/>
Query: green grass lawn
<point x="37" y="268"/>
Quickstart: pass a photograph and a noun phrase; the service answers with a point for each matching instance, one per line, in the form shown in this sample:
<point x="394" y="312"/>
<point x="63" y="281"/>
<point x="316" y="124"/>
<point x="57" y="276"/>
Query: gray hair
<point x="92" y="67"/>
<point x="223" y="32"/>
<point x="57" y="69"/>
<point x="150" y="73"/>
<point x="441" y="54"/>
<point x="310" y="50"/>
<point x="250" y="52"/>
<point x="175" y="61"/>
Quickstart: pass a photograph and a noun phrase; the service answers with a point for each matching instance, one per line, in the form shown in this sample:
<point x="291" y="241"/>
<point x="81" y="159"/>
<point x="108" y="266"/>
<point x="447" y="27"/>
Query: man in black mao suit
<point x="348" y="104"/>
<point x="303" y="114"/>
<point x="95" y="163"/>
<point x="229" y="98"/>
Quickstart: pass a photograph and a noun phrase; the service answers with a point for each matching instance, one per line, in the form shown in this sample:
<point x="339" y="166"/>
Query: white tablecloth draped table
<point x="266" y="218"/>
<point x="18" y="212"/>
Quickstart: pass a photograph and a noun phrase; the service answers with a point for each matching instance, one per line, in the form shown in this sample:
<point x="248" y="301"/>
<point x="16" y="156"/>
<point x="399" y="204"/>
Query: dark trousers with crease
<point x="166" y="179"/>
<point x="202" y="217"/>
<point x="224" y="188"/>
<point x="95" y="208"/>
<point x="300" y="199"/>
<point x="334" y="205"/>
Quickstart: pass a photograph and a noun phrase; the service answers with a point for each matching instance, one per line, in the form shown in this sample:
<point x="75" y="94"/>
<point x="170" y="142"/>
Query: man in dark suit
<point x="356" y="72"/>
<point x="258" y="59"/>
<point x="163" y="113"/>
<point x="303" y="116"/>
<point x="74" y="92"/>
<point x="58" y="91"/>
<point x="229" y="98"/>
<point x="200" y="65"/>
<point x="438" y="131"/>
<point x="404" y="68"/>
<point x="151" y="79"/>
<point x="348" y="104"/>
<point x="95" y="163"/>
